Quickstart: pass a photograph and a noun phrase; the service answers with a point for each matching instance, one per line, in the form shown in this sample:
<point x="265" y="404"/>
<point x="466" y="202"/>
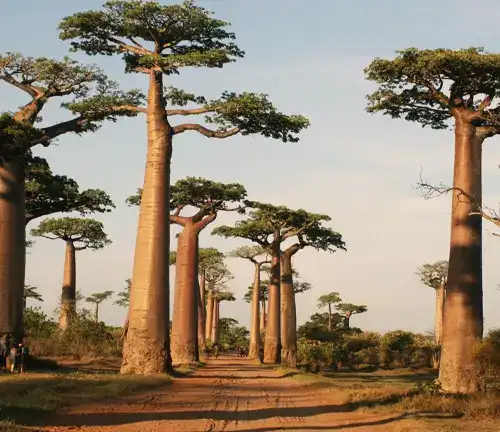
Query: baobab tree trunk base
<point x="289" y="357"/>
<point x="184" y="353"/>
<point x="66" y="315"/>
<point x="253" y="351"/>
<point x="271" y="352"/>
<point x="143" y="356"/>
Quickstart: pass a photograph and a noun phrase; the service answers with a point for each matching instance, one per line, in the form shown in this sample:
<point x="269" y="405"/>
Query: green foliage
<point x="37" y="324"/>
<point x="263" y="291"/>
<point x="32" y="293"/>
<point x="217" y="276"/>
<point x="180" y="35"/>
<point x="265" y="220"/>
<point x="412" y="86"/>
<point x="329" y="299"/>
<point x="224" y="296"/>
<point x="348" y="309"/>
<point x="316" y="328"/>
<point x="95" y="98"/>
<point x="250" y="253"/>
<point x="209" y="258"/>
<point x="433" y="275"/>
<point x="232" y="335"/>
<point x="89" y="233"/>
<point x="397" y="347"/>
<point x="489" y="354"/>
<point x="206" y="195"/>
<point x="144" y="33"/>
<point x="48" y="193"/>
<point x="124" y="296"/>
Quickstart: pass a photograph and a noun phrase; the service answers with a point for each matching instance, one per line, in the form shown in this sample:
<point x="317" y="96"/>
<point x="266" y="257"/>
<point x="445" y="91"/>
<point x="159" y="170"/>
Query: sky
<point x="358" y="168"/>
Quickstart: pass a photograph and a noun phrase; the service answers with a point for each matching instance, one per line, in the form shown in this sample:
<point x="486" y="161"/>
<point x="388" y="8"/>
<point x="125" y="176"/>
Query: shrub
<point x="489" y="354"/>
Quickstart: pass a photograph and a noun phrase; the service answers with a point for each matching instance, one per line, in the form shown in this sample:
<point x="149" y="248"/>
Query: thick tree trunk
<point x="146" y="348"/>
<point x="215" y="325"/>
<point x="210" y="314"/>
<point x="185" y="320"/>
<point x="253" y="350"/>
<point x="329" y="317"/>
<point x="68" y="306"/>
<point x="263" y="315"/>
<point x="12" y="248"/>
<point x="460" y="371"/>
<point x="288" y="314"/>
<point x="438" y="324"/>
<point x="272" y="345"/>
<point x="202" y="341"/>
<point x="347" y="321"/>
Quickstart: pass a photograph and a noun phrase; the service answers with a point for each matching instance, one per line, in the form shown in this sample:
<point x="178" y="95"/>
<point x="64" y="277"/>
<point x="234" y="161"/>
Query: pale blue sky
<point x="360" y="169"/>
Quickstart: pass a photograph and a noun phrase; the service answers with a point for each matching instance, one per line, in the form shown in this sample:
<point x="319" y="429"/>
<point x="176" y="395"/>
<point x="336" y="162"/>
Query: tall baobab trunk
<point x="202" y="341"/>
<point x="210" y="313"/>
<point x="215" y="325"/>
<point x="288" y="314"/>
<point x="184" y="339"/>
<point x="12" y="247"/>
<point x="67" y="311"/>
<point x="329" y="317"/>
<point x="438" y="324"/>
<point x="254" y="347"/>
<point x="460" y="371"/>
<point x="272" y="345"/>
<point x="263" y="315"/>
<point x="146" y="347"/>
<point x="347" y="321"/>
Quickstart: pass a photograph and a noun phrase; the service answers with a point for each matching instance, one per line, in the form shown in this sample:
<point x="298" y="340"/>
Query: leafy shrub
<point x="397" y="347"/>
<point x="489" y="354"/>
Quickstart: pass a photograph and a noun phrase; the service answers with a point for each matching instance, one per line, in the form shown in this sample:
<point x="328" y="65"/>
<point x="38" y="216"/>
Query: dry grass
<point x="398" y="392"/>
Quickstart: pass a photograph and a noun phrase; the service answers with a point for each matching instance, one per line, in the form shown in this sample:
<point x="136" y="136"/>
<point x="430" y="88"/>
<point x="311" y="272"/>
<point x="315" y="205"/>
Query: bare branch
<point x="187" y="112"/>
<point x="205" y="131"/>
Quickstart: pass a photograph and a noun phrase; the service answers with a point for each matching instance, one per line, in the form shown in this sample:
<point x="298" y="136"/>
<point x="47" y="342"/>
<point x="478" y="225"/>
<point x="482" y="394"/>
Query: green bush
<point x="489" y="354"/>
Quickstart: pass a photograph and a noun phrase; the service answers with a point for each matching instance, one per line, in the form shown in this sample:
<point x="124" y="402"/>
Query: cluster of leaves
<point x="433" y="275"/>
<point x="49" y="193"/>
<point x="87" y="232"/>
<point x="266" y="220"/>
<point x="413" y="85"/>
<point x="233" y="335"/>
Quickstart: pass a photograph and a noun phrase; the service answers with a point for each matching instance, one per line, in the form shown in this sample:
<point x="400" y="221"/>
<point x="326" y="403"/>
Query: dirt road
<point x="229" y="394"/>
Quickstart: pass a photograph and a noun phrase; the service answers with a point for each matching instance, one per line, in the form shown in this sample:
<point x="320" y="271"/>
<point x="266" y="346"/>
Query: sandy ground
<point x="229" y="394"/>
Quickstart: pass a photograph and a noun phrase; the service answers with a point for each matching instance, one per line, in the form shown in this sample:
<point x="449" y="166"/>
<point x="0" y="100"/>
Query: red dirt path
<point x="229" y="394"/>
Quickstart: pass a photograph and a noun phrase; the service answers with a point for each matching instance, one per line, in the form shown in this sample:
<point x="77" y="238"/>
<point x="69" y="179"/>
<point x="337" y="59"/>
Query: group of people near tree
<point x="13" y="357"/>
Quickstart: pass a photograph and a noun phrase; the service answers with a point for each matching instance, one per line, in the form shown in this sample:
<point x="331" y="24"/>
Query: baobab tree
<point x="328" y="300"/>
<point x="48" y="193"/>
<point x="79" y="234"/>
<point x="269" y="226"/>
<point x="263" y="297"/>
<point x="434" y="276"/>
<point x="137" y="31"/>
<point x="208" y="198"/>
<point x="252" y="254"/>
<point x="92" y="99"/>
<point x="347" y="310"/>
<point x="219" y="296"/>
<point x="96" y="299"/>
<point x="438" y="88"/>
<point x="216" y="276"/>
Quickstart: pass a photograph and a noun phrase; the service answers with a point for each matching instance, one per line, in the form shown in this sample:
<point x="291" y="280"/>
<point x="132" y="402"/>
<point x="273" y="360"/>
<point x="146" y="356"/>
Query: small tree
<point x="97" y="299"/>
<point x="217" y="276"/>
<point x="143" y="33"/>
<point x="92" y="98"/>
<point x="347" y="310"/>
<point x="269" y="226"/>
<point x="208" y="198"/>
<point x="31" y="292"/>
<point x="79" y="234"/>
<point x="437" y="88"/>
<point x="124" y="296"/>
<point x="48" y="193"/>
<point x="434" y="276"/>
<point x="252" y="254"/>
<point x="219" y="296"/>
<point x="263" y="297"/>
<point x="328" y="300"/>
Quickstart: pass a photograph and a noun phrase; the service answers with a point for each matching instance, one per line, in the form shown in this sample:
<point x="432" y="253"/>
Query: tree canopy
<point x="87" y="233"/>
<point x="95" y="99"/>
<point x="48" y="193"/>
<point x="266" y="221"/>
<point x="430" y="86"/>
<point x="264" y="292"/>
<point x="348" y="309"/>
<point x="209" y="258"/>
<point x="221" y="296"/>
<point x="207" y="196"/>
<point x="329" y="299"/>
<point x="217" y="276"/>
<point x="251" y="253"/>
<point x="167" y="38"/>
<point x="124" y="296"/>
<point x="433" y="275"/>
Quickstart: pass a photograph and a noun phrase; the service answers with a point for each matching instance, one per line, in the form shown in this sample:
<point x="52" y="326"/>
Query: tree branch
<point x="179" y="220"/>
<point x="76" y="124"/>
<point x="293" y="249"/>
<point x="33" y="91"/>
<point x="187" y="112"/>
<point x="129" y="48"/>
<point x="205" y="131"/>
<point x="205" y="221"/>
